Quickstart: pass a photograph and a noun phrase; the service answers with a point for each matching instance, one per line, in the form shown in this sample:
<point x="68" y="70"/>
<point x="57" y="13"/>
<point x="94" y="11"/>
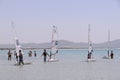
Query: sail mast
<point x="14" y="31"/>
<point x="90" y="49"/>
<point x="108" y="43"/>
<point x="108" y="39"/>
<point x="54" y="43"/>
<point x="89" y="39"/>
<point x="17" y="43"/>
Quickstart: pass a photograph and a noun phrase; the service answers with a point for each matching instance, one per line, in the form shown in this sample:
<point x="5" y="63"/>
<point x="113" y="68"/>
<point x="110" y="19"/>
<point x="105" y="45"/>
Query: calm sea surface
<point x="72" y="65"/>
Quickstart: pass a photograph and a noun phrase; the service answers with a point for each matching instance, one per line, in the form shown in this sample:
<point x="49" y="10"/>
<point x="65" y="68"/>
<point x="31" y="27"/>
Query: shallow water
<point x="71" y="66"/>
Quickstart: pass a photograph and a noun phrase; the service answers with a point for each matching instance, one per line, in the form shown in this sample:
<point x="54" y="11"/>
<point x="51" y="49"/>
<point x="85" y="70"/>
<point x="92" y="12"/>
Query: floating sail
<point x="54" y="44"/>
<point x="17" y="43"/>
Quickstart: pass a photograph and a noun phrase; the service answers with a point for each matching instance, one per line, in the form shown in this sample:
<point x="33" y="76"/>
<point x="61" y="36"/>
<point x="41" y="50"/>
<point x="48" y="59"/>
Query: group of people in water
<point x="19" y="56"/>
<point x="110" y="56"/>
<point x="30" y="54"/>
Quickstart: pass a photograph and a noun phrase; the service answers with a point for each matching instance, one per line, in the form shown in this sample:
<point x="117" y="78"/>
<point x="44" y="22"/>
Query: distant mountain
<point x="64" y="44"/>
<point x="113" y="44"/>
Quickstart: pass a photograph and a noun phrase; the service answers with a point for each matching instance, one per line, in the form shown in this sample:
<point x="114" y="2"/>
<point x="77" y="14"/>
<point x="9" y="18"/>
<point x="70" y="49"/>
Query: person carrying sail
<point x="45" y="54"/>
<point x="20" y="57"/>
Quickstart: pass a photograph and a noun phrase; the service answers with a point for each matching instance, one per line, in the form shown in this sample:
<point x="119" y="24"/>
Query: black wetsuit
<point x="112" y="55"/>
<point x="9" y="56"/>
<point x="45" y="56"/>
<point x="21" y="59"/>
<point x="89" y="55"/>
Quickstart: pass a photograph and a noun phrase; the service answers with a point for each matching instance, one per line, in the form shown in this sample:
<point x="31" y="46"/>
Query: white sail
<point x="108" y="51"/>
<point x="17" y="43"/>
<point x="54" y="44"/>
<point x="108" y="43"/>
<point x="90" y="49"/>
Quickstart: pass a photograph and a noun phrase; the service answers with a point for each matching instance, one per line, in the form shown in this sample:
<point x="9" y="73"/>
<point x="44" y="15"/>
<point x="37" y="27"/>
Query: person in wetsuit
<point x="9" y="55"/>
<point x="111" y="55"/>
<point x="45" y="54"/>
<point x="20" y="57"/>
<point x="35" y="54"/>
<point x="15" y="54"/>
<point x="89" y="55"/>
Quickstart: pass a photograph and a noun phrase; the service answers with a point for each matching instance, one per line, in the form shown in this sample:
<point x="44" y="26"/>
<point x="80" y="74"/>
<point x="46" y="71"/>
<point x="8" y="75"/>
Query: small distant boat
<point x="54" y="45"/>
<point x="108" y="51"/>
<point x="90" y="57"/>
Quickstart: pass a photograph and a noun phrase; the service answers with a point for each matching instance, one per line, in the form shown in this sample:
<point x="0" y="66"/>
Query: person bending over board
<point x="45" y="54"/>
<point x="20" y="57"/>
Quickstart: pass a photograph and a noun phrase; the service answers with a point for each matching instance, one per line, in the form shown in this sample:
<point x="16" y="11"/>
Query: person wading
<point x="45" y="54"/>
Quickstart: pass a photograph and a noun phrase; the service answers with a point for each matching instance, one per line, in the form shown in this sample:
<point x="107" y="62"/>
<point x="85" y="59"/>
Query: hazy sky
<point x="34" y="19"/>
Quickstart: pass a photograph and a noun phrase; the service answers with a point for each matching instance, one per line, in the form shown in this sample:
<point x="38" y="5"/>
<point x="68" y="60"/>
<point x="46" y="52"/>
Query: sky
<point x="34" y="19"/>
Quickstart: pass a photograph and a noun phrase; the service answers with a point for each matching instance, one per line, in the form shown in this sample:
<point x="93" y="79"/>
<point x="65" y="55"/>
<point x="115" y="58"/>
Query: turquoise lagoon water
<point x="71" y="66"/>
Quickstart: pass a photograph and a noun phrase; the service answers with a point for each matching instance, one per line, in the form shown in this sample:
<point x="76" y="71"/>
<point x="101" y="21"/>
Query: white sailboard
<point x="26" y="63"/>
<point x="54" y="45"/>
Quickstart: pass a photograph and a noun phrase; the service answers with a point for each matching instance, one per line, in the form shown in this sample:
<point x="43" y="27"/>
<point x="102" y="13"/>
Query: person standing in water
<point x="89" y="55"/>
<point x="20" y="57"/>
<point x="30" y="53"/>
<point x="45" y="54"/>
<point x="9" y="55"/>
<point x="111" y="55"/>
<point x="35" y="54"/>
<point x="108" y="54"/>
<point x="16" y="55"/>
